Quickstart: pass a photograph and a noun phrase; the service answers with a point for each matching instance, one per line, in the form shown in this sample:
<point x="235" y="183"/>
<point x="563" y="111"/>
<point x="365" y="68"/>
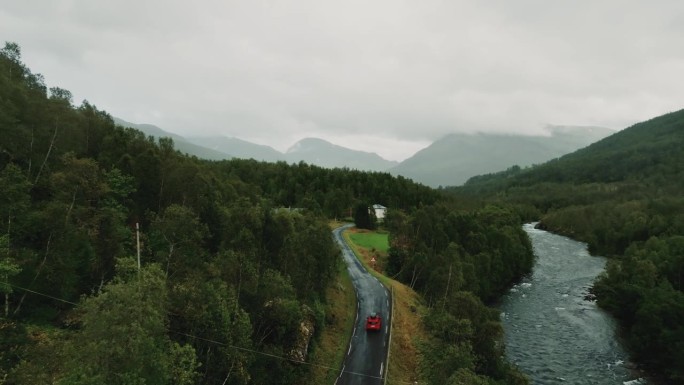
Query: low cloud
<point x="402" y="73"/>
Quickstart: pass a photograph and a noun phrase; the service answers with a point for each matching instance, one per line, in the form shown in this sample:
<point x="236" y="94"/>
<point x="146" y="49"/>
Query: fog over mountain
<point x="310" y="150"/>
<point x="239" y="148"/>
<point x="449" y="161"/>
<point x="358" y="73"/>
<point x="452" y="160"/>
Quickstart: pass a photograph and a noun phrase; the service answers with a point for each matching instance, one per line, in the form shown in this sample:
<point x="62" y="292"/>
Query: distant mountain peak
<point x="325" y="154"/>
<point x="310" y="144"/>
<point x="239" y="148"/>
<point x="313" y="151"/>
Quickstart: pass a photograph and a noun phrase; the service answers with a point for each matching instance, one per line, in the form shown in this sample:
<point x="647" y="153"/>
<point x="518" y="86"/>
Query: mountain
<point x="239" y="148"/>
<point x="180" y="143"/>
<point x="325" y="154"/>
<point x="310" y="150"/>
<point x="452" y="160"/>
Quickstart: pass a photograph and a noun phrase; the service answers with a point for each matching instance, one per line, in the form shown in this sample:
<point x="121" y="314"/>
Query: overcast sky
<point x="383" y="76"/>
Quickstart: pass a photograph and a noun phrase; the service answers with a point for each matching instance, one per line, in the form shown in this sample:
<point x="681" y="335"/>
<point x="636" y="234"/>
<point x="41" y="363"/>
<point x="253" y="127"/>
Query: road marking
<point x="381" y="365"/>
<point x="341" y="373"/>
<point x="349" y="350"/>
<point x="387" y="303"/>
<point x="385" y="293"/>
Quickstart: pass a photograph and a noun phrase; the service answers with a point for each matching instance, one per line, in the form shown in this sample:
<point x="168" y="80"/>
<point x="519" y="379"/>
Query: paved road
<point x="367" y="353"/>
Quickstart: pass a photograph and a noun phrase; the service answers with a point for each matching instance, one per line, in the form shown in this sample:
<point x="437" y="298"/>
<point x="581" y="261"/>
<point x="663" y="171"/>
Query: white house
<point x="379" y="212"/>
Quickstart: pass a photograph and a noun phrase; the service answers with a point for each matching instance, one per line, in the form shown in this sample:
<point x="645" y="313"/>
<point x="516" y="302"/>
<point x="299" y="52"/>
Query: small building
<point x="379" y="211"/>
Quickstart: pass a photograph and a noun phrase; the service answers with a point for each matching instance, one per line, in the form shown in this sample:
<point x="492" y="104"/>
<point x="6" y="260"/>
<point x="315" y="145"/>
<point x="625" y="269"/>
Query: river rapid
<point x="553" y="334"/>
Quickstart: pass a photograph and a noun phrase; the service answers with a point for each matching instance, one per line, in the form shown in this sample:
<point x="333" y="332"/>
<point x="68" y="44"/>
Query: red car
<point x="373" y="322"/>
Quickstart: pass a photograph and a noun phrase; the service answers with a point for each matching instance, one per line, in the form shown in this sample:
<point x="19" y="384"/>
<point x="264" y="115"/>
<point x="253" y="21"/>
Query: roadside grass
<point x="340" y="312"/>
<point x="407" y="333"/>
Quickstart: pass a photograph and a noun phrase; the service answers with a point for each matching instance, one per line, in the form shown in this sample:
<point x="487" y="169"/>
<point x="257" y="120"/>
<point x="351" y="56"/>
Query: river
<point x="553" y="334"/>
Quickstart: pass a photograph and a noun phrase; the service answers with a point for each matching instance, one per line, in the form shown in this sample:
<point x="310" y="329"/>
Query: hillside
<point x="647" y="151"/>
<point x="180" y="143"/>
<point x="239" y="148"/>
<point x="452" y="160"/>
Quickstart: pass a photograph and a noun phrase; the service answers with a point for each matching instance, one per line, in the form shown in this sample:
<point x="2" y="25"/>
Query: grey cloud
<point x="359" y="71"/>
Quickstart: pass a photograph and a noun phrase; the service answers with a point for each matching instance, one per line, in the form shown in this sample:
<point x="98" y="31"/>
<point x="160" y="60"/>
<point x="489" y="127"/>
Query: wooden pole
<point x="137" y="239"/>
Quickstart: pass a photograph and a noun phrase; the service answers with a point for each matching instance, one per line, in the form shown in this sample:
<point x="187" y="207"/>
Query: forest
<point x="124" y="261"/>
<point x="459" y="260"/>
<point x="624" y="196"/>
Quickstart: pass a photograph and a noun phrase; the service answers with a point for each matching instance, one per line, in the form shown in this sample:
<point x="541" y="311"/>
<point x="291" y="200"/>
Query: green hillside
<point x="646" y="152"/>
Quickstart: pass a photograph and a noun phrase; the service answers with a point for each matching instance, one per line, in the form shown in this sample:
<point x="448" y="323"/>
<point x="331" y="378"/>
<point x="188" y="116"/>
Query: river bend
<point x="553" y="334"/>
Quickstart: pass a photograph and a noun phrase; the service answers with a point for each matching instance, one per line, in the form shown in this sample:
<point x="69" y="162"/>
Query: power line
<point x="274" y="355"/>
<point x="43" y="294"/>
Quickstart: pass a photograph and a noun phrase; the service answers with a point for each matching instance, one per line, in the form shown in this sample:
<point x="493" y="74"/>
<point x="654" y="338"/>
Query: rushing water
<point x="553" y="334"/>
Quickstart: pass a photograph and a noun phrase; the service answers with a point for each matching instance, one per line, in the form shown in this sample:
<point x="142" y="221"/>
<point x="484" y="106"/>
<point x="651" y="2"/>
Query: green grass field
<point x="377" y="241"/>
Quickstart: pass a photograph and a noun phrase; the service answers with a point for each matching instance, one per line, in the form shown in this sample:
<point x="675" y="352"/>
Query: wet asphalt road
<point x="367" y="351"/>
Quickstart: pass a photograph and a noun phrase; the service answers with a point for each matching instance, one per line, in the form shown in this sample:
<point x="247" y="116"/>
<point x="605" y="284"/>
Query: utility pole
<point x="137" y="239"/>
<point x="446" y="292"/>
<point x="9" y="227"/>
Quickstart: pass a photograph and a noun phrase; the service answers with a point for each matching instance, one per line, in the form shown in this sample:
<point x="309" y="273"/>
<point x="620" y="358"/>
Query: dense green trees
<point x="120" y="337"/>
<point x="438" y="250"/>
<point x="457" y="258"/>
<point x="466" y="347"/>
<point x="644" y="290"/>
<point x="364" y="216"/>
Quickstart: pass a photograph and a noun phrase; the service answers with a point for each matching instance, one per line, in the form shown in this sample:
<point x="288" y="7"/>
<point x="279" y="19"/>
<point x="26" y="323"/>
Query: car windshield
<point x="374" y="315"/>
